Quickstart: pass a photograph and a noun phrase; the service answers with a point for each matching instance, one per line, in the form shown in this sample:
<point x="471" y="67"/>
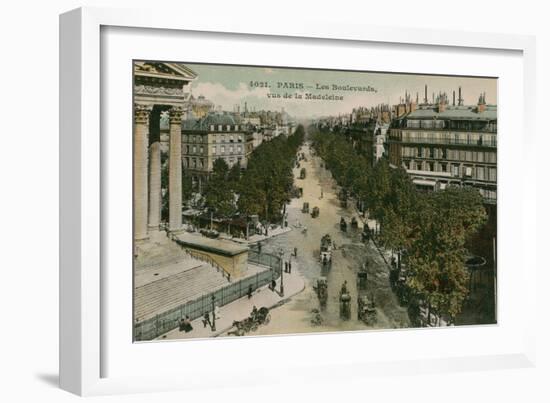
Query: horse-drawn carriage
<point x="345" y="302"/>
<point x="305" y="207"/>
<point x="302" y="173"/>
<point x="325" y="255"/>
<point x="320" y="288"/>
<point x="257" y="318"/>
<point x="366" y="310"/>
<point x="315" y="212"/>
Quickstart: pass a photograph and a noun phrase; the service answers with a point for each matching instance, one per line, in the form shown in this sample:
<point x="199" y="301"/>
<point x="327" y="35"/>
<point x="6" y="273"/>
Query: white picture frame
<point x="85" y="345"/>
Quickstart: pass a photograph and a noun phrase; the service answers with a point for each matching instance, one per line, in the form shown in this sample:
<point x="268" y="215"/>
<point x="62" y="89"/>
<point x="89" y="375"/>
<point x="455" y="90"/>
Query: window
<point x="240" y="149"/>
<point x="228" y="128"/>
<point x="214" y="150"/>
<point x="186" y="149"/>
<point x="480" y="173"/>
<point x="202" y="150"/>
<point x="223" y="149"/>
<point x="212" y="128"/>
<point x="454" y="169"/>
<point x="194" y="149"/>
<point x="194" y="162"/>
<point x="220" y="128"/>
<point x="493" y="174"/>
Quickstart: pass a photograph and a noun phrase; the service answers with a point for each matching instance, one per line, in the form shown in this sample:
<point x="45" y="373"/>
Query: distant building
<point x="441" y="144"/>
<point x="200" y="107"/>
<point x="380" y="138"/>
<point x="216" y="135"/>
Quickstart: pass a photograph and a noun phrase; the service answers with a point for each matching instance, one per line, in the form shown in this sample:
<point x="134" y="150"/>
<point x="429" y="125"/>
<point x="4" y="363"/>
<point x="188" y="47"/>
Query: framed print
<point x="337" y="190"/>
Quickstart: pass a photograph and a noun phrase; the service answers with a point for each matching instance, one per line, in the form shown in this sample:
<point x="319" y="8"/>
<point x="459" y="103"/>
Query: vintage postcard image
<point x="272" y="200"/>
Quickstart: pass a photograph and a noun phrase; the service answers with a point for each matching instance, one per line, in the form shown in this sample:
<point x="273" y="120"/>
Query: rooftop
<point x="453" y="113"/>
<point x="213" y="118"/>
<point x="218" y="246"/>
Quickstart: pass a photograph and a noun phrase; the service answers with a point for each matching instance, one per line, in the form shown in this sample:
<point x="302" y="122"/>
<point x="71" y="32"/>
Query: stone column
<point x="154" y="186"/>
<point x="174" y="178"/>
<point x="141" y="133"/>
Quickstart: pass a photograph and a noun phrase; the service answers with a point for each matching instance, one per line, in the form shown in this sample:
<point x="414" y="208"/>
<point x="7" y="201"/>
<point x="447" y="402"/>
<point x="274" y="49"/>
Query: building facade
<point x="216" y="135"/>
<point x="441" y="145"/>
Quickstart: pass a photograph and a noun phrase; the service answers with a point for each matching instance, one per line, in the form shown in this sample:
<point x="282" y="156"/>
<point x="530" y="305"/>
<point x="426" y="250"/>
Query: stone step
<point x="171" y="291"/>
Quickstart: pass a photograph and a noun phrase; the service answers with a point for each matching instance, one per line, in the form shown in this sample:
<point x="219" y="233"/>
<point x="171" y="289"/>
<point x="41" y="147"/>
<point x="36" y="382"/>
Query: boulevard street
<point x="350" y="253"/>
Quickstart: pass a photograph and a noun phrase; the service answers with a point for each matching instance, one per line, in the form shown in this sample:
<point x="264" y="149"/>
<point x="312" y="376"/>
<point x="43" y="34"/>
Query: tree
<point x="399" y="226"/>
<point x="436" y="257"/>
<point x="218" y="196"/>
<point x="267" y="181"/>
<point x="186" y="186"/>
<point x="234" y="176"/>
<point x="379" y="190"/>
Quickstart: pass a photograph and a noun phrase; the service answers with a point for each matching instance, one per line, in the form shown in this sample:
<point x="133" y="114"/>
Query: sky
<point x="227" y="85"/>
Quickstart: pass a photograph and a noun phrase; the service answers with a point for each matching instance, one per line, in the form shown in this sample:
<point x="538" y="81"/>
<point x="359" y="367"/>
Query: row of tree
<point x="428" y="230"/>
<point x="260" y="189"/>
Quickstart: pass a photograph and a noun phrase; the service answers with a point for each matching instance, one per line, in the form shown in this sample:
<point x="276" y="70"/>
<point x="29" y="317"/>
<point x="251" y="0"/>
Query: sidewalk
<point x="240" y="309"/>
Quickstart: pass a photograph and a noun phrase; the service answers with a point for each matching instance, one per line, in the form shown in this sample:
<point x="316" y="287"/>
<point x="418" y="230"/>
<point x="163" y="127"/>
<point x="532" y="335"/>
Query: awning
<point x="424" y="182"/>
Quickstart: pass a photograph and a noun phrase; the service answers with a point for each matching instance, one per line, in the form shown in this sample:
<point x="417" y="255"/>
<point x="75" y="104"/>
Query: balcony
<point x="432" y="141"/>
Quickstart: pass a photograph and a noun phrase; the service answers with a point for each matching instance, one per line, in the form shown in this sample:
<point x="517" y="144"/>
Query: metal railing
<point x="207" y="259"/>
<point x="152" y="328"/>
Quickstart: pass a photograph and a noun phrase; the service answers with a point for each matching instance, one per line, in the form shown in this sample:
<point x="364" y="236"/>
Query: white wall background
<point x="29" y="201"/>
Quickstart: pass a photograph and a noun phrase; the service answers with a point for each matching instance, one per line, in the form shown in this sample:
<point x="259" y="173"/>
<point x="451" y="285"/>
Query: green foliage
<point x="267" y="181"/>
<point x="218" y="196"/>
<point x="436" y="257"/>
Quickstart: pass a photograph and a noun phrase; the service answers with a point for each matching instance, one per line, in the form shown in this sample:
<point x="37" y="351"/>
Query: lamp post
<point x="282" y="291"/>
<point x="213" y="313"/>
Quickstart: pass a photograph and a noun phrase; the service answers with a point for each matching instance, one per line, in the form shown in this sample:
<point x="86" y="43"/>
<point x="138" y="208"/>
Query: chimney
<point x="481" y="106"/>
<point x="453" y="97"/>
<point x="442" y="105"/>
<point x="460" y="100"/>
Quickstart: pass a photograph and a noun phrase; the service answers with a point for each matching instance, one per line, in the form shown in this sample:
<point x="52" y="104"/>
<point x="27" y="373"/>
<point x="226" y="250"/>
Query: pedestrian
<point x="273" y="284"/>
<point x="259" y="247"/>
<point x="295" y="252"/>
<point x="217" y="312"/>
<point x="206" y="319"/>
<point x="187" y="324"/>
<point x="289" y="267"/>
<point x="286" y="267"/>
<point x="249" y="293"/>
